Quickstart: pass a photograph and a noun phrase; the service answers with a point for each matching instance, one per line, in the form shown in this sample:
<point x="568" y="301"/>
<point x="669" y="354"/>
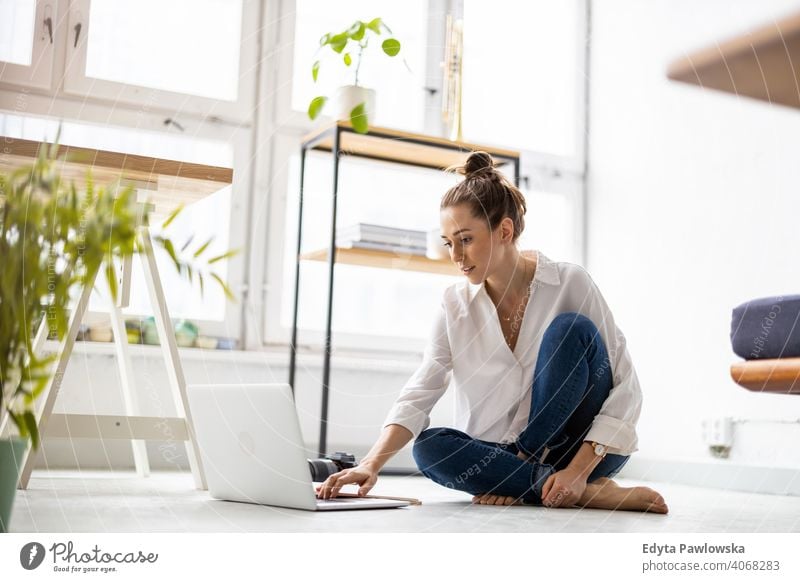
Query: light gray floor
<point x="70" y="501"/>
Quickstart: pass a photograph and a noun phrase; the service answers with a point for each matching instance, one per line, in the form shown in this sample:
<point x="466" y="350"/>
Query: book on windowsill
<point x="378" y="246"/>
<point x="375" y="233"/>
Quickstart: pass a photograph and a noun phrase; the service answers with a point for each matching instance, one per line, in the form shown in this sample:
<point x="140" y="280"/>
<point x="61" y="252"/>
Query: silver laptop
<point x="252" y="449"/>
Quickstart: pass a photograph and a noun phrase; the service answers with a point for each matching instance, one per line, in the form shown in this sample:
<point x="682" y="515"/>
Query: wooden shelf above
<point x="392" y="145"/>
<point x="764" y="64"/>
<point x="779" y="376"/>
<point x="384" y="260"/>
<point x="169" y="182"/>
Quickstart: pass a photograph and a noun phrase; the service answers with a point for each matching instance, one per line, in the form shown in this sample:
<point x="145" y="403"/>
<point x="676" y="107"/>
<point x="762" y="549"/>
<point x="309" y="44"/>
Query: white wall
<point x="693" y="208"/>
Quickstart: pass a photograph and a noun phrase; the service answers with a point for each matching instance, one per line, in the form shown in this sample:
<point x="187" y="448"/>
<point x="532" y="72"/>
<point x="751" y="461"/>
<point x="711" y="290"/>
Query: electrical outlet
<point x="718" y="432"/>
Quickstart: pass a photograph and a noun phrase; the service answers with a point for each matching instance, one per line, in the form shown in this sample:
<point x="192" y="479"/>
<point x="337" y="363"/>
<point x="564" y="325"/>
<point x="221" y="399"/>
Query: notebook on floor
<point x="252" y="449"/>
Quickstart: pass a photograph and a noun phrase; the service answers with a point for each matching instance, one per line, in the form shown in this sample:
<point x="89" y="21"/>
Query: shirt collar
<point x="546" y="272"/>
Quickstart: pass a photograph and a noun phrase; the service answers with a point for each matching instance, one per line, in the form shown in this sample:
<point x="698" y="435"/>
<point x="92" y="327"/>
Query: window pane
<point x="526" y="63"/>
<point x="185" y="46"/>
<point x="16" y="31"/>
<point x="366" y="300"/>
<point x="205" y="218"/>
<point x="550" y="225"/>
<point x="400" y="98"/>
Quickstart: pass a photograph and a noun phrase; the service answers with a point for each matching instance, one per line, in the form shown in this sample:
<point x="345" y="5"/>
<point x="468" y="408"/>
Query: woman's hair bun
<point x="487" y="192"/>
<point x="477" y="163"/>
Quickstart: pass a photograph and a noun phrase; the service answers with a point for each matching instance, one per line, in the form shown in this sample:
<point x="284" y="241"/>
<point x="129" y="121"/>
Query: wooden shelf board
<point x="780" y="375"/>
<point x="169" y="182"/>
<point x="384" y="260"/>
<point x="393" y="145"/>
<point x="764" y="64"/>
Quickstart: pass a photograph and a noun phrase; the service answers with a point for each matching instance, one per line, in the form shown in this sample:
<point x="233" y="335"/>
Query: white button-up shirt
<point x="493" y="384"/>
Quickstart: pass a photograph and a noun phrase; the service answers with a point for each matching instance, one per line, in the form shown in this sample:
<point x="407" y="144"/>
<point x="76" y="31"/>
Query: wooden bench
<point x="779" y="376"/>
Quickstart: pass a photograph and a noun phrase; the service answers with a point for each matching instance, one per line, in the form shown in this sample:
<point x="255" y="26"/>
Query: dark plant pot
<point x="11" y="453"/>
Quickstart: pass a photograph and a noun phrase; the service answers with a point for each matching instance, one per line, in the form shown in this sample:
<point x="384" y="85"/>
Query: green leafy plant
<point x="54" y="239"/>
<point x="350" y="45"/>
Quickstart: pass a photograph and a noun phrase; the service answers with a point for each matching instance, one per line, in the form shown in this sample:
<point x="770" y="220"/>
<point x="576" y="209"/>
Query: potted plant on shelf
<point x="353" y="102"/>
<point x="54" y="239"/>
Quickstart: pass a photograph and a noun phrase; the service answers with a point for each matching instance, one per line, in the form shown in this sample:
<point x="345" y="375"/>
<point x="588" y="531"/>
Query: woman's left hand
<point x="563" y="488"/>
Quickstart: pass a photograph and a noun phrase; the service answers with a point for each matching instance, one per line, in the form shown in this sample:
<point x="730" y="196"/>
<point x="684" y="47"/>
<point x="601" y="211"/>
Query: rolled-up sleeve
<point x="615" y="424"/>
<point x="419" y="395"/>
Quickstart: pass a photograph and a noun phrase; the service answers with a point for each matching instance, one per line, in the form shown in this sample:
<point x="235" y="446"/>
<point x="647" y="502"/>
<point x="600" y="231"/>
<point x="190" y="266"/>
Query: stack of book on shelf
<point x="381" y="238"/>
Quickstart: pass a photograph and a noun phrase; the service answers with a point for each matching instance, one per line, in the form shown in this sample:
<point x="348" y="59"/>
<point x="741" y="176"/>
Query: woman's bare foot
<point x="491" y="499"/>
<point x="604" y="493"/>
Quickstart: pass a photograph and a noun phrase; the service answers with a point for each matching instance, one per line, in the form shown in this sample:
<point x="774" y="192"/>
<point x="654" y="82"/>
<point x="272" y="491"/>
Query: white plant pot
<point x="350" y="96"/>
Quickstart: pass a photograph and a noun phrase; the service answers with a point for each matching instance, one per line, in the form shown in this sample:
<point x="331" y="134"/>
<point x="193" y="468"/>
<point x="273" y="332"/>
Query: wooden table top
<point x="169" y="182"/>
<point x="763" y="64"/>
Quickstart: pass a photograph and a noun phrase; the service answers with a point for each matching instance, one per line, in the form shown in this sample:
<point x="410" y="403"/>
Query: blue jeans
<point x="572" y="381"/>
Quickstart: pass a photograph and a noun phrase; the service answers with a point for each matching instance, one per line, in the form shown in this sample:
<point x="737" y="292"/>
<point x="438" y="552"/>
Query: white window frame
<point x="39" y="74"/>
<point x="78" y="84"/>
<point x="285" y="128"/>
<point x="19" y="97"/>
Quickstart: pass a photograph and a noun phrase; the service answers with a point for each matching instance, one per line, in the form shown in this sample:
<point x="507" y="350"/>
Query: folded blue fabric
<point x="767" y="328"/>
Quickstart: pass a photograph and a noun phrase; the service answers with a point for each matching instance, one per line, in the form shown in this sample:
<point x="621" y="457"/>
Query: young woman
<point x="547" y="398"/>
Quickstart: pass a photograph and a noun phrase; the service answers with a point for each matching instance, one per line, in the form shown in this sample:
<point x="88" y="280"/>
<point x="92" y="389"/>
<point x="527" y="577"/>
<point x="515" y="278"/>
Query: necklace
<point x="520" y="305"/>
<point x="517" y="316"/>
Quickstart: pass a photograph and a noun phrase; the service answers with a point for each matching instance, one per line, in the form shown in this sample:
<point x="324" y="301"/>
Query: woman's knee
<point x="569" y="325"/>
<point x="428" y="447"/>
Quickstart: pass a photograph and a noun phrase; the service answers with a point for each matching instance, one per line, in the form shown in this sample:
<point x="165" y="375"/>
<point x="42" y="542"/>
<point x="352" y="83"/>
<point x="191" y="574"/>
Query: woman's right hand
<point x="362" y="475"/>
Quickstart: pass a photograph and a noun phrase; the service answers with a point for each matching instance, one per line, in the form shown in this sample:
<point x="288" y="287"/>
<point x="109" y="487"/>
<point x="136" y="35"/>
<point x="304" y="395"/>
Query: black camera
<point x="323" y="468"/>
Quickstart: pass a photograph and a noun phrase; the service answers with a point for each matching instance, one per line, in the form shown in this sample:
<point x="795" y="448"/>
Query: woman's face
<point x="473" y="247"/>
